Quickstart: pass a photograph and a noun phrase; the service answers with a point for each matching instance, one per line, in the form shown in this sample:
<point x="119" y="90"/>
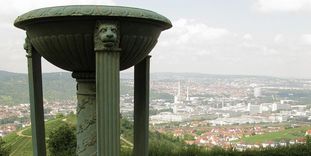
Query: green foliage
<point x="155" y="111"/>
<point x="62" y="141"/>
<point x="50" y="125"/>
<point x="287" y="134"/>
<point x="56" y="87"/>
<point x="6" y="99"/>
<point x="126" y="88"/>
<point x="12" y="119"/>
<point x="159" y="144"/>
<point x="126" y="129"/>
<point x="59" y="86"/>
<point x="59" y="115"/>
<point x="188" y="137"/>
<point x="160" y="95"/>
<point x="198" y="132"/>
<point x="163" y="149"/>
<point x="4" y="150"/>
<point x="20" y="146"/>
<point x="302" y="96"/>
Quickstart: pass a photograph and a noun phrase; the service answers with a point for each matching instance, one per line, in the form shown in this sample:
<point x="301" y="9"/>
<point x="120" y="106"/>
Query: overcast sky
<point x="252" y="37"/>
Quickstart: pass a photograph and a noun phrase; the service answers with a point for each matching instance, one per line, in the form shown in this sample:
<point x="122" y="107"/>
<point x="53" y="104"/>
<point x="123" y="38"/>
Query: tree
<point x="4" y="150"/>
<point x="62" y="141"/>
<point x="59" y="115"/>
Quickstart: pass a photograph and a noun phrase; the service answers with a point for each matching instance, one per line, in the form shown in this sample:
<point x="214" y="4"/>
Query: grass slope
<point x="162" y="145"/>
<point x="20" y="141"/>
<point x="21" y="144"/>
<point x="285" y="135"/>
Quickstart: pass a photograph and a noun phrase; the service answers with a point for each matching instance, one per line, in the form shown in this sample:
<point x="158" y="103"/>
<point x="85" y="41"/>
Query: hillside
<point x="20" y="141"/>
<point x="56" y="86"/>
<point x="160" y="145"/>
<point x="59" y="86"/>
<point x="21" y="144"/>
<point x="284" y="135"/>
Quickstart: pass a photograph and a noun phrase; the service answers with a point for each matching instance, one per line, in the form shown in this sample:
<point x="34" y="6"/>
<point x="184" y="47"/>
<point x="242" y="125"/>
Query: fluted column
<point x="86" y="114"/>
<point x="141" y="107"/>
<point x="36" y="99"/>
<point x="106" y="40"/>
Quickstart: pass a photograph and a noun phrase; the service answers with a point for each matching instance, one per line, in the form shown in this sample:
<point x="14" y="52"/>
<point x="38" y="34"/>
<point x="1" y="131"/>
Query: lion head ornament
<point x="108" y="34"/>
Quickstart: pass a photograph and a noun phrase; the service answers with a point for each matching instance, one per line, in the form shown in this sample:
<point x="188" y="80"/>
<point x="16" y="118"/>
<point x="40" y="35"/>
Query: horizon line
<point x="172" y="72"/>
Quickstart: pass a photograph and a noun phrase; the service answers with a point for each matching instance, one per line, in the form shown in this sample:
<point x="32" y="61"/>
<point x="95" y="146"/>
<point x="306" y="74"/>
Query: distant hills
<point x="56" y="86"/>
<point x="61" y="86"/>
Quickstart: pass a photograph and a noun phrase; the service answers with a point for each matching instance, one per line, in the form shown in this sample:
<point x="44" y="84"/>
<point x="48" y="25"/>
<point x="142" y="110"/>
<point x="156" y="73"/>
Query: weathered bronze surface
<point x="64" y="35"/>
<point x="90" y="10"/>
<point x="86" y="116"/>
<point x="36" y="99"/>
<point x="141" y="107"/>
<point x="107" y="87"/>
<point x="95" y="43"/>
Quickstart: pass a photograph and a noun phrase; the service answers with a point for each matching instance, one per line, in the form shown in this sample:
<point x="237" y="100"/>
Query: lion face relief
<point x="108" y="35"/>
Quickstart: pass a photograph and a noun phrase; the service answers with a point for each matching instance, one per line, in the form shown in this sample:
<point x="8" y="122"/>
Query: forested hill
<point x="56" y="87"/>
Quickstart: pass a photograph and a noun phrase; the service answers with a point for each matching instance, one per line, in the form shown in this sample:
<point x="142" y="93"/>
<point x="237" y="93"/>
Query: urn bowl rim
<point x="91" y="11"/>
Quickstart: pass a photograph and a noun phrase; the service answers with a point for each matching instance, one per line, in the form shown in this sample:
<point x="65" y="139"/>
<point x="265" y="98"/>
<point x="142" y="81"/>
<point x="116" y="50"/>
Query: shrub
<point x="62" y="141"/>
<point x="4" y="150"/>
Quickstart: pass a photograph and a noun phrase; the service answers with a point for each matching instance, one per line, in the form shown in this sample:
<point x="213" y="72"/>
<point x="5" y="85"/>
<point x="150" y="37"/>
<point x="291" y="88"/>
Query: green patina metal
<point x="90" y="10"/>
<point x="36" y="99"/>
<point x="95" y="43"/>
<point x="141" y="107"/>
<point x="86" y="114"/>
<point x="106" y="41"/>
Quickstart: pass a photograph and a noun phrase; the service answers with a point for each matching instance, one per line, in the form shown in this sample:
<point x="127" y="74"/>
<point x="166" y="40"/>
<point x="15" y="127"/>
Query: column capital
<point x="84" y="76"/>
<point x="86" y="83"/>
<point x="107" y="36"/>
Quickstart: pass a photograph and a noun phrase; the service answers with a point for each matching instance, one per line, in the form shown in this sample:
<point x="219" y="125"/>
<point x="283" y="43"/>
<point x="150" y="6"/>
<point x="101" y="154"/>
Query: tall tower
<point x="177" y="97"/>
<point x="179" y="90"/>
<point x="257" y="92"/>
<point x="187" y="98"/>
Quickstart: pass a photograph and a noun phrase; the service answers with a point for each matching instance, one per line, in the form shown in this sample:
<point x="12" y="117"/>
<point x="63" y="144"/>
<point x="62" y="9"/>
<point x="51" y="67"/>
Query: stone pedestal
<point x="86" y="114"/>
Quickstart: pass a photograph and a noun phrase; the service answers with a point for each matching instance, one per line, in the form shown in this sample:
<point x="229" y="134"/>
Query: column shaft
<point x="36" y="102"/>
<point x="141" y="107"/>
<point x="86" y="117"/>
<point x="107" y="103"/>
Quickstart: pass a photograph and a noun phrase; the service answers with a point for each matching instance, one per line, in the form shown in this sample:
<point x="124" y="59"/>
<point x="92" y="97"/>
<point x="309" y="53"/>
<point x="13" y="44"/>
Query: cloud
<point x="27" y="5"/>
<point x="190" y="46"/>
<point x="279" y="38"/>
<point x="189" y="39"/>
<point x="194" y="46"/>
<point x="248" y="36"/>
<point x="12" y="54"/>
<point x="306" y="39"/>
<point x="283" y="5"/>
<point x="191" y="31"/>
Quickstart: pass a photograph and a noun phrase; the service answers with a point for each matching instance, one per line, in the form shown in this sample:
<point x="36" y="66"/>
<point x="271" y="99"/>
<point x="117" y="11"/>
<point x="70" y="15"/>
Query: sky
<point x="240" y="37"/>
